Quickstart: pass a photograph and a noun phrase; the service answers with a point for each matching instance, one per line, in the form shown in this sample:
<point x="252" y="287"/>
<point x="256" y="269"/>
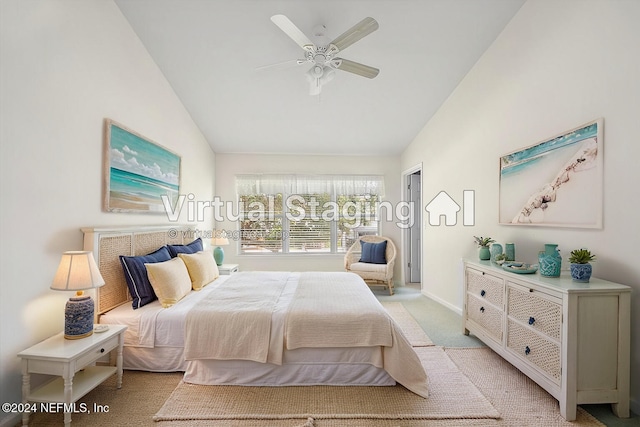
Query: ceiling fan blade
<point x="292" y="31"/>
<point x="355" y="68"/>
<point x="282" y="65"/>
<point x="365" y="27"/>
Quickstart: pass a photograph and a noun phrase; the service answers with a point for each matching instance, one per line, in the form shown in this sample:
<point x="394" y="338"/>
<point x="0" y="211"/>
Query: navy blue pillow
<point x="136" y="275"/>
<point x="374" y="253"/>
<point x="191" y="248"/>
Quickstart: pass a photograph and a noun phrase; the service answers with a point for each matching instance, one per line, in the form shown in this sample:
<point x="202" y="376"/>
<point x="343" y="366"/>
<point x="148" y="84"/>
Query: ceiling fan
<point x="324" y="59"/>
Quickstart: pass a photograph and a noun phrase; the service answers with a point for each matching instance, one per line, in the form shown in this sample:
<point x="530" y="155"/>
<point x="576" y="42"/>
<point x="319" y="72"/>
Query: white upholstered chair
<point x="373" y="274"/>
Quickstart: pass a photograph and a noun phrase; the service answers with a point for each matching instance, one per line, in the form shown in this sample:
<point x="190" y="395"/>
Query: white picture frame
<point x="557" y="182"/>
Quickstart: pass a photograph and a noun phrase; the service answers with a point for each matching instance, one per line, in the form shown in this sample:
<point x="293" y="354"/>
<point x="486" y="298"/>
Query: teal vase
<point x="550" y="261"/>
<point x="496" y="249"/>
<point x="484" y="253"/>
<point x="510" y="251"/>
<point x="218" y="255"/>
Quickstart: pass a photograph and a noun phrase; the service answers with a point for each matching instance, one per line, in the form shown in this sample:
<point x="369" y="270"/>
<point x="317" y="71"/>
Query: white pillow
<point x="202" y="268"/>
<point x="170" y="280"/>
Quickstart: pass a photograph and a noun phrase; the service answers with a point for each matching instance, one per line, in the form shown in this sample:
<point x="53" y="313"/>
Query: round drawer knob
<point x="102" y="350"/>
<point x="527" y="350"/>
<point x="482" y="293"/>
<point x="532" y="320"/>
<point x="482" y="309"/>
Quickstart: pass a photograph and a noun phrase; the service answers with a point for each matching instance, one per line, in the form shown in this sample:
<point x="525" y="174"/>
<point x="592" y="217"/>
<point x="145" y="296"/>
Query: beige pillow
<point x="202" y="268"/>
<point x="169" y="280"/>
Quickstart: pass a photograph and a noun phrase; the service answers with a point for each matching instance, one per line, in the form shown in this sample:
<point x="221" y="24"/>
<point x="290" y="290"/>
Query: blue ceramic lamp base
<point x="78" y="317"/>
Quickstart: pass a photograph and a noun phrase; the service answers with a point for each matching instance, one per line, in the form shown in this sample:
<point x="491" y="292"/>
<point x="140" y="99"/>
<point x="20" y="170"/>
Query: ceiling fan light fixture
<point x="327" y="75"/>
<point x="323" y="57"/>
<point x="318" y="76"/>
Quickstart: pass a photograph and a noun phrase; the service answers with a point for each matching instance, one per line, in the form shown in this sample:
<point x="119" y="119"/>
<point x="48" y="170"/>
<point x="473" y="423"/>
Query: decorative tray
<point x="520" y="267"/>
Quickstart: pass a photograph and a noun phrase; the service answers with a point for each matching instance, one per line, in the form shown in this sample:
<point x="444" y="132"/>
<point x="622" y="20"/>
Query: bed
<point x="306" y="328"/>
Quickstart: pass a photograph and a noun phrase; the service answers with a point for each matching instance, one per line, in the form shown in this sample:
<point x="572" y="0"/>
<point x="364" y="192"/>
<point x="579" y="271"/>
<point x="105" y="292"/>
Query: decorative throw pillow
<point x="135" y="273"/>
<point x="202" y="268"/>
<point x="374" y="253"/>
<point x="190" y="248"/>
<point x="170" y="280"/>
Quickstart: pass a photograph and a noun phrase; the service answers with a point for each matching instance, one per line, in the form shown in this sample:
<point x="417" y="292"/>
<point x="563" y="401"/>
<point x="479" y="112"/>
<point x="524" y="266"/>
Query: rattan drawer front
<point x="538" y="312"/>
<point x="535" y="349"/>
<point x="486" y="315"/>
<point x="485" y="286"/>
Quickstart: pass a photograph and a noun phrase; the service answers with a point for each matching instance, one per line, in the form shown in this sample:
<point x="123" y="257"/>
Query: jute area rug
<point x="193" y="402"/>
<point x="411" y="328"/>
<point x="452" y="396"/>
<point x="521" y="401"/>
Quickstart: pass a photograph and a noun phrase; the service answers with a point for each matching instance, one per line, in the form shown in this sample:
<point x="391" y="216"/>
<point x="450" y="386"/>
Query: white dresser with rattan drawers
<point x="571" y="338"/>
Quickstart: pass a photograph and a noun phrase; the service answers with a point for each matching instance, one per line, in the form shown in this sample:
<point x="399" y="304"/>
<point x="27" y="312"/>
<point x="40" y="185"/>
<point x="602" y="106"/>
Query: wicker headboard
<point x="108" y="244"/>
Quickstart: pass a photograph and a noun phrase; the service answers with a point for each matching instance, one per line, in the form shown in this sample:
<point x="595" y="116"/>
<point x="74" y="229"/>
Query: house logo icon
<point x="445" y="205"/>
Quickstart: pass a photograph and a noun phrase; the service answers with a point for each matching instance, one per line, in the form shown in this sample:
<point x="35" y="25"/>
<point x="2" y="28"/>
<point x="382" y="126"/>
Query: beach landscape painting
<point x="556" y="182"/>
<point x="138" y="172"/>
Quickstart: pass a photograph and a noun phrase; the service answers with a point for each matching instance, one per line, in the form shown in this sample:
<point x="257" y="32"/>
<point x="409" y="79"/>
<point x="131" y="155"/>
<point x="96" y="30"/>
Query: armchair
<point x="374" y="274"/>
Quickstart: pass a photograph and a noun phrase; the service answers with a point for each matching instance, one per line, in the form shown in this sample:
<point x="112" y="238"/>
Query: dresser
<point x="573" y="339"/>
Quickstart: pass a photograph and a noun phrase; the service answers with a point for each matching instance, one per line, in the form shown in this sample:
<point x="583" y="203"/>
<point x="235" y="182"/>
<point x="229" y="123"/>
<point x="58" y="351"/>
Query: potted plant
<point x="580" y="267"/>
<point x="501" y="259"/>
<point x="483" y="243"/>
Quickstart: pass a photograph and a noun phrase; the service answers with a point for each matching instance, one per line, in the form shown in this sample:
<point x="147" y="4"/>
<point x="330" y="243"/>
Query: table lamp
<point x="77" y="272"/>
<point x="218" y="253"/>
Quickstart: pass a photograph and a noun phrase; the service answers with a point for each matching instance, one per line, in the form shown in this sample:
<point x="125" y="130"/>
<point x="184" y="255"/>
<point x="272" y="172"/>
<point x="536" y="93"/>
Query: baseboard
<point x="442" y="302"/>
<point x="634" y="405"/>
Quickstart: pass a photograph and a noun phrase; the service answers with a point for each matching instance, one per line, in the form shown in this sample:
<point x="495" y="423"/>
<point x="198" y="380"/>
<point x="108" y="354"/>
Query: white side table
<point x="65" y="358"/>
<point x="227" y="269"/>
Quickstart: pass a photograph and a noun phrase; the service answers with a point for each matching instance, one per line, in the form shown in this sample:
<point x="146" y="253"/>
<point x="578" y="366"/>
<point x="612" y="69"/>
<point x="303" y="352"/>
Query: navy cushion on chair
<point x="374" y="253"/>
<point x="136" y="275"/>
<point x="191" y="248"/>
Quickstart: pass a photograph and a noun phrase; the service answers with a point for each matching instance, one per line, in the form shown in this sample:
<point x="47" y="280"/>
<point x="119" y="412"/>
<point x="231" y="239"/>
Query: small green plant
<point x="501" y="257"/>
<point x="483" y="242"/>
<point x="581" y="256"/>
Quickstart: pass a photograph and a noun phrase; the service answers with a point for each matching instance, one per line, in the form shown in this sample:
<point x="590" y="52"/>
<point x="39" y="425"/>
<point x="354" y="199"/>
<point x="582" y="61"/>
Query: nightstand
<point x="70" y="360"/>
<point x="227" y="269"/>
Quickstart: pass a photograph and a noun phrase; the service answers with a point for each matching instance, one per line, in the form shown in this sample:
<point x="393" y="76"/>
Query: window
<point x="306" y="214"/>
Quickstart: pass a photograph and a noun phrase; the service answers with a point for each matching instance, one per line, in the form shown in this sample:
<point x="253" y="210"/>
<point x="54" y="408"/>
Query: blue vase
<point x="510" y="251"/>
<point x="496" y="249"/>
<point x="550" y="261"/>
<point x="581" y="272"/>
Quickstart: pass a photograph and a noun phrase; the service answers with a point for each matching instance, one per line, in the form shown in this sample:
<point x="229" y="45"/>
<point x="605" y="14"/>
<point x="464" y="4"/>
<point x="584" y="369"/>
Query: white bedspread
<point x="336" y="310"/>
<point x="234" y="323"/>
<point x="154" y="327"/>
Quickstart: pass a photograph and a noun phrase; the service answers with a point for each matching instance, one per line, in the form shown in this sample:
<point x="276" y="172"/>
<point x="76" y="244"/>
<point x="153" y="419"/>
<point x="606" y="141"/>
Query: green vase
<point x="484" y="253"/>
<point x="495" y="250"/>
<point x="218" y="255"/>
<point x="510" y="251"/>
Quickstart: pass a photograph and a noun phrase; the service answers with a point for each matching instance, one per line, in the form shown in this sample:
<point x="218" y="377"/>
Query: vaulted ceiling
<point x="212" y="51"/>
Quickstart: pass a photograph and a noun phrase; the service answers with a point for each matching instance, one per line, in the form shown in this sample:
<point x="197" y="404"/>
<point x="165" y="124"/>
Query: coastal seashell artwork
<point x="556" y="182"/>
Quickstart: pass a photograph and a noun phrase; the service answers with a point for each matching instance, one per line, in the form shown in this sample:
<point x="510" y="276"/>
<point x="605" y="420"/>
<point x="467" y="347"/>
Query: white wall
<point x="557" y="65"/>
<point x="229" y="165"/>
<point x="67" y="65"/>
